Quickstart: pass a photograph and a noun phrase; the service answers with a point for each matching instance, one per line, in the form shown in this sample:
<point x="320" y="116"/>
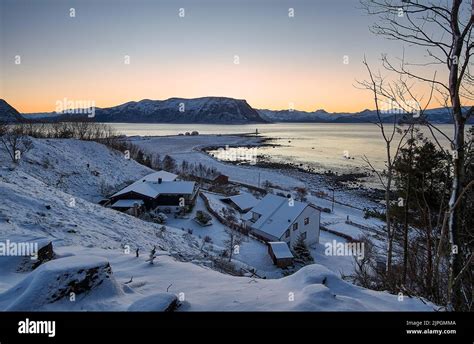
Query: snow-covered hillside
<point x="313" y="288"/>
<point x="94" y="247"/>
<point x="81" y="168"/>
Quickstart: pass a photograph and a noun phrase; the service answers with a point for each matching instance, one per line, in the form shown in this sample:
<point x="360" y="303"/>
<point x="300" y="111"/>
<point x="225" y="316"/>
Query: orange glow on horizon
<point x="263" y="86"/>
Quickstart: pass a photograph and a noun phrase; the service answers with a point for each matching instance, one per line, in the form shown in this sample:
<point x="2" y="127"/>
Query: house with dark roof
<point x="159" y="190"/>
<point x="280" y="219"/>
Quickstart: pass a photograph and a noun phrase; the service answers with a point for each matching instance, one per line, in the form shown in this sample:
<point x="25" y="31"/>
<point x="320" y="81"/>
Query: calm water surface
<point x="323" y="146"/>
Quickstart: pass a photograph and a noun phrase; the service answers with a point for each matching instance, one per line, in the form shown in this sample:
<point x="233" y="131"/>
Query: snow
<point x="244" y="200"/>
<point x="252" y="253"/>
<point x="154" y="303"/>
<point x="154" y="189"/>
<point x="127" y="203"/>
<point x="313" y="288"/>
<point x="45" y="284"/>
<point x="163" y="175"/>
<point x="35" y="206"/>
<point x="188" y="148"/>
<point x="276" y="214"/>
<point x="80" y="168"/>
<point x="280" y="249"/>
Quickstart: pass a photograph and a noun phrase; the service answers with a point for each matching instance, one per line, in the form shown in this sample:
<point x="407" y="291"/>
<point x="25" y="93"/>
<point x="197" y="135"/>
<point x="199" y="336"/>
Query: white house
<point x="277" y="218"/>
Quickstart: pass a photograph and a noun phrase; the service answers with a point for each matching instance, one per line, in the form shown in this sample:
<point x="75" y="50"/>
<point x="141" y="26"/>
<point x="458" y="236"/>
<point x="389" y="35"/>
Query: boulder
<point x="161" y="302"/>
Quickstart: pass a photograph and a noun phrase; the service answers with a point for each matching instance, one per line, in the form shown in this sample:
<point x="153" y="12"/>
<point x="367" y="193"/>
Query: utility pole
<point x="332" y="210"/>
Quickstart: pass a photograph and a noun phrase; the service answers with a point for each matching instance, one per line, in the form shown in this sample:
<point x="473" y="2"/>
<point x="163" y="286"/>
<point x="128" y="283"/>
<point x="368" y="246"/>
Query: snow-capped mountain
<point x="436" y="116"/>
<point x="8" y="113"/>
<point x="180" y="110"/>
<point x="224" y="110"/>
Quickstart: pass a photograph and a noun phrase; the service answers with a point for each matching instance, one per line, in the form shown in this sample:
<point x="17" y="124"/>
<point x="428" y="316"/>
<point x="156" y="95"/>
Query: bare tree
<point x="392" y="98"/>
<point x="232" y="243"/>
<point x="444" y="30"/>
<point x="301" y="193"/>
<point x="15" y="141"/>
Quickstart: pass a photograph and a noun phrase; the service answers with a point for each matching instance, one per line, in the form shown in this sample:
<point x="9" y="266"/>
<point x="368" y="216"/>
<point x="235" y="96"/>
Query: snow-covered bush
<point x="202" y="217"/>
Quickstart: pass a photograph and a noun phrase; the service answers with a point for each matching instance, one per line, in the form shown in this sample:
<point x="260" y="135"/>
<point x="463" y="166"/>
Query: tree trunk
<point x="388" y="267"/>
<point x="407" y="199"/>
<point x="454" y="292"/>
<point x="429" y="257"/>
<point x="405" y="231"/>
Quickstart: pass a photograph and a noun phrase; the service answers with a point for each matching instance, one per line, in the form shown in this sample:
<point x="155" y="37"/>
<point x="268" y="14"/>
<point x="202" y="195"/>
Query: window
<point x="303" y="235"/>
<point x="306" y="221"/>
<point x="255" y="217"/>
<point x="287" y="233"/>
<point x="295" y="226"/>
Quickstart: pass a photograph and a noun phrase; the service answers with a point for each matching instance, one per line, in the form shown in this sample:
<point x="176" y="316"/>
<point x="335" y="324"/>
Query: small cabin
<point x="280" y="254"/>
<point x="221" y="179"/>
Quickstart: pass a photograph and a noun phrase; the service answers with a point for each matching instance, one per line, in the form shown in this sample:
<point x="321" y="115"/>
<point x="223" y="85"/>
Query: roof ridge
<point x="299" y="213"/>
<point x="273" y="212"/>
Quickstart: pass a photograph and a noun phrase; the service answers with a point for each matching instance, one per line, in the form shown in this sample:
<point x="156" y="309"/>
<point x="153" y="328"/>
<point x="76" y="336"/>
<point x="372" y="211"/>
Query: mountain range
<point x="216" y="110"/>
<point x="211" y="110"/>
<point x="434" y="116"/>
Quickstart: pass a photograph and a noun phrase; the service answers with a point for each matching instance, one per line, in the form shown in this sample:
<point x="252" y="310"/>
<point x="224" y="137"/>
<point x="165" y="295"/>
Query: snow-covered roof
<point x="280" y="249"/>
<point x="174" y="187"/>
<point x="126" y="203"/>
<point x="276" y="214"/>
<point x="243" y="201"/>
<point x="153" y="189"/>
<point x="164" y="175"/>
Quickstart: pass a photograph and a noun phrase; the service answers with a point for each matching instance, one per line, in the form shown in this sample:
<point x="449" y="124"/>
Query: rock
<point x="45" y="253"/>
<point x="55" y="280"/>
<point x="161" y="302"/>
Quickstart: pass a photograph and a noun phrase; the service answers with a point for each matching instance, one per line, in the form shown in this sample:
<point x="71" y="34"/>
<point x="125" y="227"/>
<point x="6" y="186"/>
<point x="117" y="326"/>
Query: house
<point x="242" y="202"/>
<point x="157" y="190"/>
<point x="280" y="254"/>
<point x="277" y="218"/>
<point x="221" y="179"/>
<point x="165" y="176"/>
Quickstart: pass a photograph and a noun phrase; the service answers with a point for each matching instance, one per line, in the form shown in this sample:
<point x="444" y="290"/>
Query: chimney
<point x="160" y="180"/>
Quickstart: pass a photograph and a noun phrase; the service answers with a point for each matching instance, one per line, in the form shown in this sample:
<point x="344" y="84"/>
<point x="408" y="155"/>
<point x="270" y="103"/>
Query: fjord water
<point x="323" y="146"/>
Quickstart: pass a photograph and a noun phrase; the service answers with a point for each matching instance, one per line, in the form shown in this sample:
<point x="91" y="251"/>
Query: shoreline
<point x="349" y="188"/>
<point x="346" y="181"/>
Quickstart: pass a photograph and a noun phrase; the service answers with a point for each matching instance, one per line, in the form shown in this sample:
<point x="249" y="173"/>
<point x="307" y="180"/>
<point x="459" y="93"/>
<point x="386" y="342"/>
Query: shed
<point x="242" y="202"/>
<point x="280" y="254"/>
<point x="221" y="179"/>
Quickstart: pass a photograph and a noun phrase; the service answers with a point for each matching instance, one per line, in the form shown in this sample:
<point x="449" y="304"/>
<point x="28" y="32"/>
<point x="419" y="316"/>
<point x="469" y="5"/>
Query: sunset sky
<point x="283" y="60"/>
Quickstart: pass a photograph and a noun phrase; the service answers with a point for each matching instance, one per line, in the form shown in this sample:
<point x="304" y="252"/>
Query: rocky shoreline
<point x="349" y="181"/>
